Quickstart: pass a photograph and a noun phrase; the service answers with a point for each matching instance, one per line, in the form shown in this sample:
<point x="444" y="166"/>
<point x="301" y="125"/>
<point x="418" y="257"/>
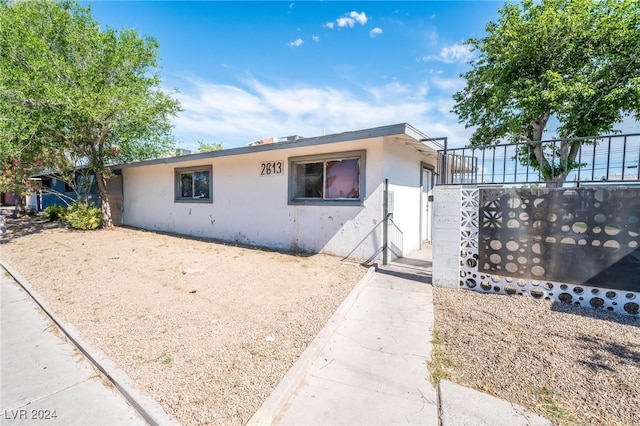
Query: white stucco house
<point x="322" y="194"/>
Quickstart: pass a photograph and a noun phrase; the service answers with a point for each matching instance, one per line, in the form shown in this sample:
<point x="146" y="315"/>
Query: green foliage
<point x="574" y="60"/>
<point x="84" y="215"/>
<point x="55" y="212"/>
<point x="440" y="363"/>
<point x="209" y="147"/>
<point x="70" y="91"/>
<point x="551" y="409"/>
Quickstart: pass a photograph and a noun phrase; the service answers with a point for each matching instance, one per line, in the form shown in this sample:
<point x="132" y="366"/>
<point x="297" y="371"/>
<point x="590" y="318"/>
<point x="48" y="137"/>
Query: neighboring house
<point x="55" y="191"/>
<point x="321" y="194"/>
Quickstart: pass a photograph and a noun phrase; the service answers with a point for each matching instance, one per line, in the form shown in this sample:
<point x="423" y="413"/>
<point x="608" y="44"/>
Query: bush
<point x="55" y="212"/>
<point x="82" y="215"/>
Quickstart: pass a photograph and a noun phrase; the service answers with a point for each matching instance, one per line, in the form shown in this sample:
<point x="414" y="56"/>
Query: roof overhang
<point x="404" y="132"/>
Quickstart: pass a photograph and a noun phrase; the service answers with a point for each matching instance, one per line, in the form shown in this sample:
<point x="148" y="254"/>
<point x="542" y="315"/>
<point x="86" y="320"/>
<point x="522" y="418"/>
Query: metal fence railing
<point x="610" y="158"/>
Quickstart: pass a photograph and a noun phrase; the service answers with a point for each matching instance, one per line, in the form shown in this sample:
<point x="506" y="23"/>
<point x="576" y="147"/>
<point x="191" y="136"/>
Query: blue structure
<point x="55" y="191"/>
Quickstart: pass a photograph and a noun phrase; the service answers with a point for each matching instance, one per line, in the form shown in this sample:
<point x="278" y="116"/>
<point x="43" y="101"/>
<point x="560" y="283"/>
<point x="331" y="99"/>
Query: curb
<point x="147" y="407"/>
<point x="276" y="401"/>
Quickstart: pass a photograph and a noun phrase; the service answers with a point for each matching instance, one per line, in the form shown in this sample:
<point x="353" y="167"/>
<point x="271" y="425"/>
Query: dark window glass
<point x="193" y="184"/>
<point x="335" y="179"/>
<point x="200" y="184"/>
<point x="186" y="185"/>
<point x="309" y="180"/>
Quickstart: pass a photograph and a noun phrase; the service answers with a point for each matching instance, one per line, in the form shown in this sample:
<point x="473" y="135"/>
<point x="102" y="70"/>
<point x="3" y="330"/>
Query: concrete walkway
<point x="46" y="379"/>
<point x="369" y="364"/>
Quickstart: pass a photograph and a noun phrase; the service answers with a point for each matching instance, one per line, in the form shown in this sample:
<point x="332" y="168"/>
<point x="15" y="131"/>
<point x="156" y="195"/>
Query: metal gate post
<point x="385" y="224"/>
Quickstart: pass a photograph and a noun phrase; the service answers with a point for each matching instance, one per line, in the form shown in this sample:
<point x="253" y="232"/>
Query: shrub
<point x="83" y="215"/>
<point x="54" y="212"/>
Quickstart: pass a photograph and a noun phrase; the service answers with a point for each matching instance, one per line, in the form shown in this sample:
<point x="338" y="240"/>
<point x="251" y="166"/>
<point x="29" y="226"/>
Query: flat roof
<point x="418" y="143"/>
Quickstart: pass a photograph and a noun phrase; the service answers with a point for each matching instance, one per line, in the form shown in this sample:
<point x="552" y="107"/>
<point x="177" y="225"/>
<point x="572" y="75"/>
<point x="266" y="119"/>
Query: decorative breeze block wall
<point x="571" y="245"/>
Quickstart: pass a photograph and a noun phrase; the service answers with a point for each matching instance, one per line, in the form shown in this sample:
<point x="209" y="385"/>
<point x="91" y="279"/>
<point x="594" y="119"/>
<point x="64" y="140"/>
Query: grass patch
<point x="550" y="408"/>
<point x="440" y="363"/>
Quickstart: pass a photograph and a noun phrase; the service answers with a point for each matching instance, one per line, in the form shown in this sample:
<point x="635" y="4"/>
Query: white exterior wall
<point x="253" y="209"/>
<point x="403" y="167"/>
<point x="446" y="234"/>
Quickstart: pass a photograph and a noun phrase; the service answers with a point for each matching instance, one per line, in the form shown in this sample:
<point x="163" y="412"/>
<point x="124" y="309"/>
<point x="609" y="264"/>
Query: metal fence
<point x="601" y="159"/>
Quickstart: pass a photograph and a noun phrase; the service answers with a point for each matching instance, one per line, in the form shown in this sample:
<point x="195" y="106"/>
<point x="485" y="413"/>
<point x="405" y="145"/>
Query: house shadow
<point x="222" y="242"/>
<point x="415" y="266"/>
<point x="417" y="263"/>
<point x="413" y="274"/>
<point x="596" y="313"/>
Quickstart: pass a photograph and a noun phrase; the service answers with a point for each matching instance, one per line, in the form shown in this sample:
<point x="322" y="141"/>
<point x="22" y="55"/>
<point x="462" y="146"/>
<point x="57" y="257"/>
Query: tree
<point x="16" y="170"/>
<point x="74" y="90"/>
<point x="209" y="147"/>
<point x="575" y="60"/>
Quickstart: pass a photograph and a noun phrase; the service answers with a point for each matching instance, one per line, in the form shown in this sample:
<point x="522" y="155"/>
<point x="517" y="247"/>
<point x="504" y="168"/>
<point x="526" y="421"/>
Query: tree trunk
<point x="107" y="222"/>
<point x="568" y="152"/>
<point x="19" y="209"/>
<point x="535" y="136"/>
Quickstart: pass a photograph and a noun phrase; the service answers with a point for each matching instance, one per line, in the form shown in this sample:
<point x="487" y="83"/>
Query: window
<point x="193" y="185"/>
<point x="320" y="179"/>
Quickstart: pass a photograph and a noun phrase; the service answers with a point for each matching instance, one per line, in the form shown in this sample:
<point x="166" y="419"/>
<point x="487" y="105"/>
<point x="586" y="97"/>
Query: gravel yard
<point x="570" y="364"/>
<point x="207" y="329"/>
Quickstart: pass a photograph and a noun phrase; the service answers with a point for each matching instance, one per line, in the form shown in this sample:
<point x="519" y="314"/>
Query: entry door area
<point x="426" y="203"/>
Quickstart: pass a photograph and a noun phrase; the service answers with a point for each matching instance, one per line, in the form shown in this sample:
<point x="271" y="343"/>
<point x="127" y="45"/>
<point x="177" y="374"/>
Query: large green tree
<point x="575" y="60"/>
<point x="69" y="89"/>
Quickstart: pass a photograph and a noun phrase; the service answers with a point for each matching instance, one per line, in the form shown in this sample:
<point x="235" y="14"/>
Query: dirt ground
<point x="205" y="328"/>
<point x="573" y="365"/>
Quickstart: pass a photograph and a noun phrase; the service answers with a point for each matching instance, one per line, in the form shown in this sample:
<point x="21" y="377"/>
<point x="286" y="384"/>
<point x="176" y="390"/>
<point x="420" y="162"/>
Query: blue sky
<point x="251" y="70"/>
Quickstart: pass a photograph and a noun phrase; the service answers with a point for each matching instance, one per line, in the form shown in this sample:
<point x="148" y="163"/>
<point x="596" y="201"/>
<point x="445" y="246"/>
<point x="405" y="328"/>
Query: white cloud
<point x="456" y="53"/>
<point x="296" y="43"/>
<point x="315" y="38"/>
<point x="375" y="32"/>
<point x="349" y="20"/>
<point x="397" y="90"/>
<point x="345" y="22"/>
<point x="448" y="84"/>
<point x="250" y="110"/>
<point x="361" y="18"/>
<point x="450" y="54"/>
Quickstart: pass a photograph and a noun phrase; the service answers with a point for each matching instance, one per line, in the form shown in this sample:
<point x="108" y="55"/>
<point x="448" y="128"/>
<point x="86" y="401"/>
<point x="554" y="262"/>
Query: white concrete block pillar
<point x="446" y="236"/>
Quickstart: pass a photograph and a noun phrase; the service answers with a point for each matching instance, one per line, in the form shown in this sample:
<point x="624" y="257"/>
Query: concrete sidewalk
<point x="45" y="378"/>
<point x="369" y="364"/>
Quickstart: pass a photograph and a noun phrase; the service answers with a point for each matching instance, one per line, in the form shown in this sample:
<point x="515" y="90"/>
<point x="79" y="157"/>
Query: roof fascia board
<point x="395" y="129"/>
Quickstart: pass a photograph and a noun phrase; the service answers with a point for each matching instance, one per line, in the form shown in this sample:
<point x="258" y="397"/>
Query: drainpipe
<point x="385" y="215"/>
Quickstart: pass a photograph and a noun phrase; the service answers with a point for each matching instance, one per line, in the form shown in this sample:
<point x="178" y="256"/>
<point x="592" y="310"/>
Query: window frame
<point x="324" y="158"/>
<point x="179" y="171"/>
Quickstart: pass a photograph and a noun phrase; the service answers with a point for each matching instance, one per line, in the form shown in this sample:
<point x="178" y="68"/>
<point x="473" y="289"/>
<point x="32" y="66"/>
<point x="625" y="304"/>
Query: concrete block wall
<point x="446" y="236"/>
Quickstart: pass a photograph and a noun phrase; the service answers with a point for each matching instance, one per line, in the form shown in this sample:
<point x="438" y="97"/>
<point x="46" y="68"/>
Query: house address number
<point x="271" y="168"/>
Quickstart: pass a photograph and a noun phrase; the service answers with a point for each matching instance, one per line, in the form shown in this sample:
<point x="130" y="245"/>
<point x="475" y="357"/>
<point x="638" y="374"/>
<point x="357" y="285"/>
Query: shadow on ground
<point x="600" y="314"/>
<point x="25" y="225"/>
